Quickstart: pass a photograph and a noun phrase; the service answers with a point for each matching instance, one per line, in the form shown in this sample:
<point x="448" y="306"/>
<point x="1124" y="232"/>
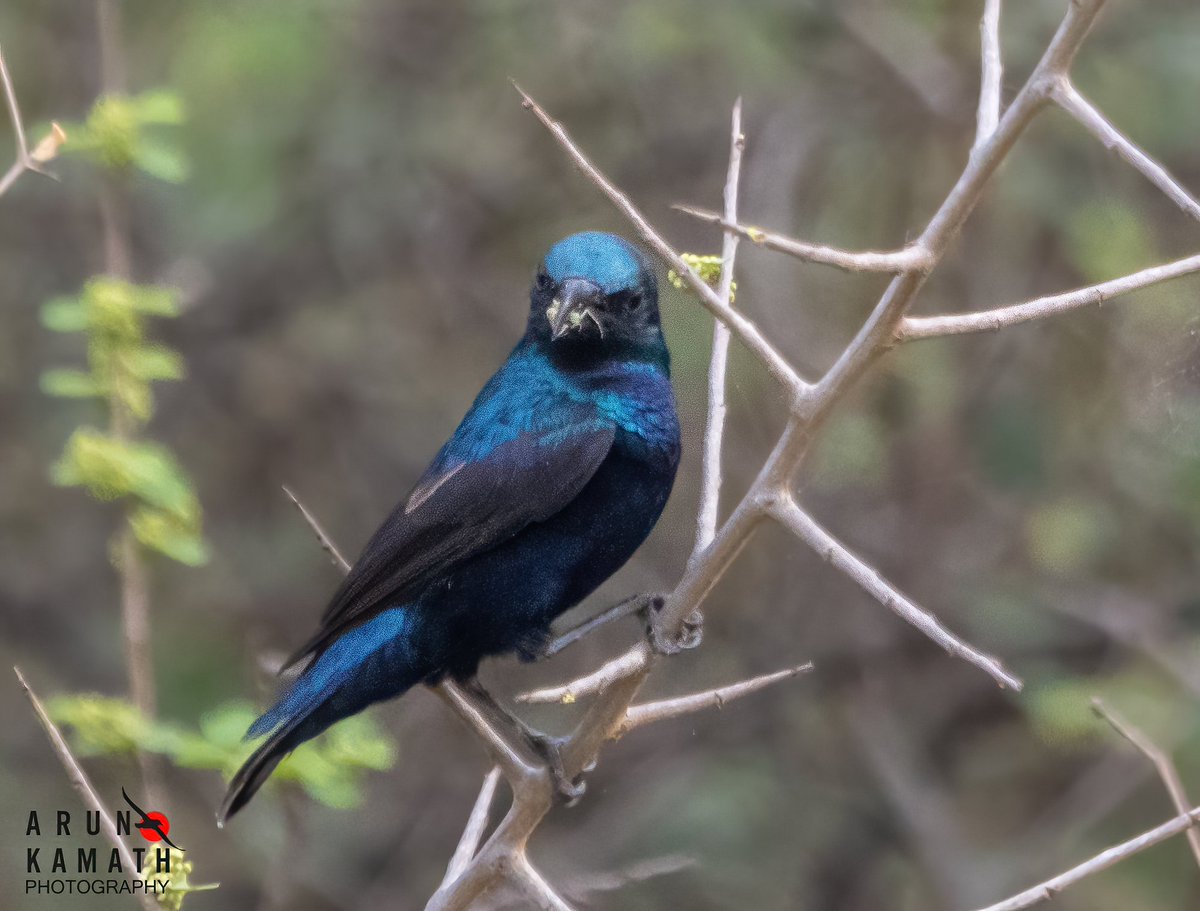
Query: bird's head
<point x="595" y="296"/>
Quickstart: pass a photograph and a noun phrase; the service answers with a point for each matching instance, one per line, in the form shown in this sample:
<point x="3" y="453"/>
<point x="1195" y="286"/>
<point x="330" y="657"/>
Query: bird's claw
<point x="550" y="749"/>
<point x="690" y="634"/>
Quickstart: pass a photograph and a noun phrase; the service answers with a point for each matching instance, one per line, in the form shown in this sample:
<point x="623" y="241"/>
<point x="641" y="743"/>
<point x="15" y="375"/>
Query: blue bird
<point x="554" y="478"/>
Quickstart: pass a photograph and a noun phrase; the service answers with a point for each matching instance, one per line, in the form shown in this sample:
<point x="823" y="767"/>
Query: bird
<point x="554" y="478"/>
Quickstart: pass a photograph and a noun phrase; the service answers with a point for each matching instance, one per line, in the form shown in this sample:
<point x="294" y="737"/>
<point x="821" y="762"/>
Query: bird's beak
<point x="574" y="304"/>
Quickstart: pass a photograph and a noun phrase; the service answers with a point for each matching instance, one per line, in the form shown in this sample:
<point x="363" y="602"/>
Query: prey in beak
<point x="575" y="304"/>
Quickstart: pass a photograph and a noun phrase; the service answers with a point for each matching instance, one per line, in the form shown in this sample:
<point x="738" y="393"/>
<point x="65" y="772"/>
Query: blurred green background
<point x="365" y="206"/>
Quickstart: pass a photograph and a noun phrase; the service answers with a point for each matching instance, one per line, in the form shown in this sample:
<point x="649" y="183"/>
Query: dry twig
<point x="25" y="160"/>
<point x="83" y="787"/>
<point x="848" y="260"/>
<point x="1050" y="888"/>
<point x="1161" y="761"/>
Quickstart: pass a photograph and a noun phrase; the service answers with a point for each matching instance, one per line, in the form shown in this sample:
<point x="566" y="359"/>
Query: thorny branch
<point x="25" y="160"/>
<point x="1161" y="761"/>
<point x="848" y="260"/>
<point x="477" y="870"/>
<point x="616" y="684"/>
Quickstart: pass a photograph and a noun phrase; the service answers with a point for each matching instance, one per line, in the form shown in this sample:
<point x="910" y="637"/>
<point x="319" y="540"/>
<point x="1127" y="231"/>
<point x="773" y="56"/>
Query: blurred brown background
<point x="367" y="204"/>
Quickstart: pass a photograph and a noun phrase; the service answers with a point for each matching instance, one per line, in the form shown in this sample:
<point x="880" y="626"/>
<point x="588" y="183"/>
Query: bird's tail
<point x="373" y="661"/>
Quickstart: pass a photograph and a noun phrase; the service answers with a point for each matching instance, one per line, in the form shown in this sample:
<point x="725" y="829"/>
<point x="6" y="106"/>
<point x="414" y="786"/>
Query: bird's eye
<point x="544" y="281"/>
<point x="633" y="301"/>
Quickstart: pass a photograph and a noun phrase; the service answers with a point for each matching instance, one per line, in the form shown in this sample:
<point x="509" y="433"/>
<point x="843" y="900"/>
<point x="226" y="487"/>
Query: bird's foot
<point x="550" y="749"/>
<point x="690" y="634"/>
<point x="643" y="605"/>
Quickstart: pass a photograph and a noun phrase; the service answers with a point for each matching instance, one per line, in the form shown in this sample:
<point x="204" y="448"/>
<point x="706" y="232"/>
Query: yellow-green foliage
<point x="123" y="132"/>
<point x="707" y="267"/>
<point x="164" y="511"/>
<point x="329" y="768"/>
<point x="179" y="885"/>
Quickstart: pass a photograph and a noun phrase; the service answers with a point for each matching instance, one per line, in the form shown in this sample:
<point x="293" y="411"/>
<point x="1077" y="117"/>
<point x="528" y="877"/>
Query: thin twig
<point x="1161" y="761"/>
<point x="637" y="716"/>
<point x="714" y="428"/>
<point x="325" y="541"/>
<point x="22" y="161"/>
<point x="910" y="258"/>
<point x="1050" y="888"/>
<point x="642" y="870"/>
<point x="1069" y="99"/>
<point x="991" y="70"/>
<point x="917" y="327"/>
<point x="588" y="684"/>
<point x="477" y="822"/>
<point x="748" y="333"/>
<point x="83" y="787"/>
<point x="836" y="554"/>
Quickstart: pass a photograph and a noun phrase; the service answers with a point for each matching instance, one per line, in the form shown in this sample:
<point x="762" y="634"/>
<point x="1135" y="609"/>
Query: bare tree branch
<point x="812" y="404"/>
<point x="850" y="261"/>
<point x="991" y="71"/>
<point x="83" y="787"/>
<point x="1069" y="99"/>
<point x="1161" y="761"/>
<point x="1050" y="888"/>
<point x="714" y="428"/>
<point x="917" y="327"/>
<point x="589" y="684"/>
<point x="637" y="716"/>
<point x="836" y="554"/>
<point x="477" y="822"/>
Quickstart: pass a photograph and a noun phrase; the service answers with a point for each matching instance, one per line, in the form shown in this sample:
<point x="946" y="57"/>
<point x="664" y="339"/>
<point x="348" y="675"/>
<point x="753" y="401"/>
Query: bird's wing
<point x="460" y="509"/>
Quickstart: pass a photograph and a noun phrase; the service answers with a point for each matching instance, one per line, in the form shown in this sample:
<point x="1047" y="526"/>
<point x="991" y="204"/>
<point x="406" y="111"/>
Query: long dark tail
<point x="370" y="662"/>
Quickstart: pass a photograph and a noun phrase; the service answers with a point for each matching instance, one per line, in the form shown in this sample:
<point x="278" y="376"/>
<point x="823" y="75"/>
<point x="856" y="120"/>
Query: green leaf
<point x="70" y="384"/>
<point x="102" y="726"/>
<point x="112" y="468"/>
<point x="162" y="159"/>
<point x="113" y="127"/>
<point x="159" y="106"/>
<point x="155" y="362"/>
<point x="64" y="314"/>
<point x="161" y="531"/>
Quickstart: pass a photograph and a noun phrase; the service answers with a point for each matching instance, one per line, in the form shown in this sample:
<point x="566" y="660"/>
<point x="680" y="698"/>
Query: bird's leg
<point x="546" y="746"/>
<point x="635" y="604"/>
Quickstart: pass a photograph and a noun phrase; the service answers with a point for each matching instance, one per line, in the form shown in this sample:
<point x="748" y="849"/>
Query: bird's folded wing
<point x="460" y="509"/>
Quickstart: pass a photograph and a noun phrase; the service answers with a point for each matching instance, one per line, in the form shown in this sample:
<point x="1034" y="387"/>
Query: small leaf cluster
<point x="179" y="885"/>
<point x="329" y="768"/>
<point x="122" y="366"/>
<point x="708" y="267"/>
<point x="126" y="132"/>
